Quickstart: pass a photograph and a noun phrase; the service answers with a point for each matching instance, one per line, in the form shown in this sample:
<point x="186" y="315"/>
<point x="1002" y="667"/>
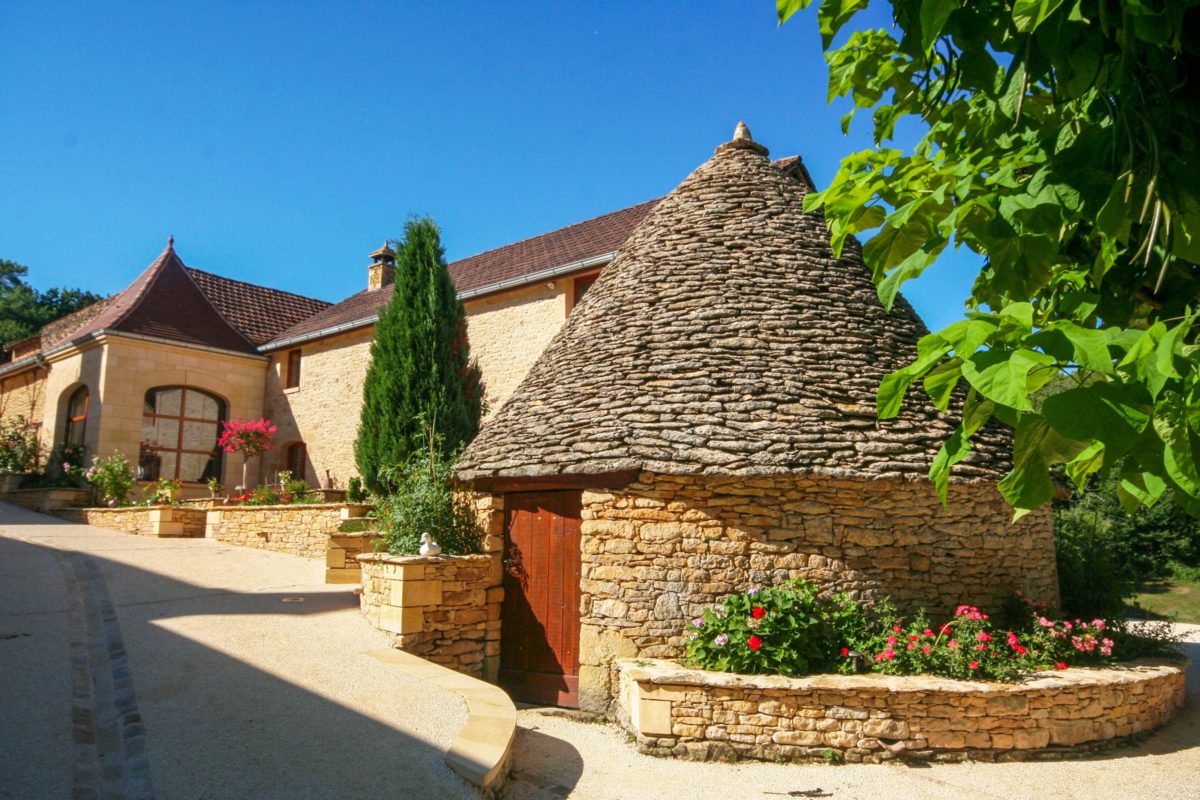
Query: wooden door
<point x="539" y="646"/>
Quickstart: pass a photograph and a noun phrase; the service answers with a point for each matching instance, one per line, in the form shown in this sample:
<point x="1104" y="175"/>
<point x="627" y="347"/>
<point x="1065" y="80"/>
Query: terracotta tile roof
<point x="258" y="312"/>
<point x="174" y="302"/>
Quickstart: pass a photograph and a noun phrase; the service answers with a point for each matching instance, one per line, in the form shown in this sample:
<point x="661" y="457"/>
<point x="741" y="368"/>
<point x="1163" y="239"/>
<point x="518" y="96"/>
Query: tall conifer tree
<point x="421" y="373"/>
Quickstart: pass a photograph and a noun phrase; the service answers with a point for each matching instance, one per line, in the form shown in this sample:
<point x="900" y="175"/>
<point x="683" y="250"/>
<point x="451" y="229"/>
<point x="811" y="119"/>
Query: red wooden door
<point x="539" y="646"/>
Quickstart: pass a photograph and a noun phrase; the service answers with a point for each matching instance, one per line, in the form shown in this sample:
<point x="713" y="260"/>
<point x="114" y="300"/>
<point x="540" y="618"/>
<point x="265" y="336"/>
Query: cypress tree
<point x="421" y="374"/>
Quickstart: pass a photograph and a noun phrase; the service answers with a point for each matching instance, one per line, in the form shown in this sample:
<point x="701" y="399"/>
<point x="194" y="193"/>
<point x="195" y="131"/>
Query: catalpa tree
<point x="1060" y="143"/>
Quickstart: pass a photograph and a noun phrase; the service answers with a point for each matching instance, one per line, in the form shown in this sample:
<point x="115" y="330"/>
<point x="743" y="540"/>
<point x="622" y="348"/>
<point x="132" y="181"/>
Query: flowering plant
<point x="248" y="438"/>
<point x="785" y="630"/>
<point x="111" y="478"/>
<point x="161" y="492"/>
<point x="18" y="447"/>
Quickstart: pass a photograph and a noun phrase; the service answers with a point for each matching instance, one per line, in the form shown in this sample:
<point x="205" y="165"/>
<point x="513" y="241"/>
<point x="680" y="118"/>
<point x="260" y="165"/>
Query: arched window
<point x="180" y="427"/>
<point x="77" y="412"/>
<point x="297" y="458"/>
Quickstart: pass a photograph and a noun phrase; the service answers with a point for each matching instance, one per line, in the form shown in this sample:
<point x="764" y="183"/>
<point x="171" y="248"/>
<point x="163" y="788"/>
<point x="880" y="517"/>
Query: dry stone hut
<point x="705" y="421"/>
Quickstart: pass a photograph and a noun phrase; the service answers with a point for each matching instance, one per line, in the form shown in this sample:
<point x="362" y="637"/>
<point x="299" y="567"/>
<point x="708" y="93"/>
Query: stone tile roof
<point x="724" y="339"/>
<point x="258" y="312"/>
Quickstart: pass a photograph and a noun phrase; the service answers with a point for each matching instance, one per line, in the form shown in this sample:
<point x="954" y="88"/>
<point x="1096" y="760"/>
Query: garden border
<point x="701" y="715"/>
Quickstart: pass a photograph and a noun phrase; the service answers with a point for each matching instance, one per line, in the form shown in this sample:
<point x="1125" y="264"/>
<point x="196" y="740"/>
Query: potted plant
<point x="248" y="438"/>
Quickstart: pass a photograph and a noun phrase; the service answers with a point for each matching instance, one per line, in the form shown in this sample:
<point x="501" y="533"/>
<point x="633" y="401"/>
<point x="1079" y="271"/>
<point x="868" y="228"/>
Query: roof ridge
<point x="156" y="267"/>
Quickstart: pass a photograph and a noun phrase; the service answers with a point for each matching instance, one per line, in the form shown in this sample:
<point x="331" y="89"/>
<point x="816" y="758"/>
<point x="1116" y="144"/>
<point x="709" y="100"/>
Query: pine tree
<point x="421" y="374"/>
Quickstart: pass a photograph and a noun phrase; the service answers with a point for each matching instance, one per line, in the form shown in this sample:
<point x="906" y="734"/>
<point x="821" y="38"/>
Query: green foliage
<point x="24" y="310"/>
<point x="1061" y="144"/>
<point x="355" y="493"/>
<point x="793" y="630"/>
<point x="424" y="501"/>
<point x="161" y="492"/>
<point x="111" y="478"/>
<point x="421" y="371"/>
<point x="18" y="447"/>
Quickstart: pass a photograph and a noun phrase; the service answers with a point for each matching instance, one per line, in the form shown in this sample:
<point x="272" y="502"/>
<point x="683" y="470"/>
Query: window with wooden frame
<point x="77" y="413"/>
<point x="293" y="369"/>
<point x="297" y="458"/>
<point x="581" y="286"/>
<point x="180" y="428"/>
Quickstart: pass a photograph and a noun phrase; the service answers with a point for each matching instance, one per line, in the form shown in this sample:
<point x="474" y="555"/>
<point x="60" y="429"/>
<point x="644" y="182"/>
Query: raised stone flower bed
<point x="699" y="715"/>
<point x="47" y="500"/>
<point x="301" y="529"/>
<point x="168" y="521"/>
<point x="445" y="609"/>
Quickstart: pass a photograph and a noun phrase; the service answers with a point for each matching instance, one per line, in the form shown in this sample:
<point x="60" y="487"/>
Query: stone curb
<point x="483" y="749"/>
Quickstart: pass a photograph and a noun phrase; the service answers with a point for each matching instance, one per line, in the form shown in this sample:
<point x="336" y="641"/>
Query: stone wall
<point x="323" y="411"/>
<point x="509" y="330"/>
<point x="341" y="564"/>
<point x="664" y="548"/>
<point x="23" y="396"/>
<point x="47" y="500"/>
<point x="445" y="609"/>
<point x="870" y="718"/>
<point x="170" y="522"/>
<point x="300" y="529"/>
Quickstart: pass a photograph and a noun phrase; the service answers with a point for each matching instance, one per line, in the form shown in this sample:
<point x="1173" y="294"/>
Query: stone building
<point x="705" y="422"/>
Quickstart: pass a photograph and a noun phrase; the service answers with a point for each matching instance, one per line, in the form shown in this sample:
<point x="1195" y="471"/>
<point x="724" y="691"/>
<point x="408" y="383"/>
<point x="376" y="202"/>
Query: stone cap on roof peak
<point x="742" y="140"/>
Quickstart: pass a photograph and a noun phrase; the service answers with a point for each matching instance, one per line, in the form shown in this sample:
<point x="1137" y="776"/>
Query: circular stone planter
<point x="699" y="715"/>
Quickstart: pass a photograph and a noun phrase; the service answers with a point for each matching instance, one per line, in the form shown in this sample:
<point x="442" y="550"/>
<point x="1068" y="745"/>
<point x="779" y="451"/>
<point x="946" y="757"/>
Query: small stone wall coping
<point x="299" y="528"/>
<point x="47" y="500"/>
<point x="161" y="521"/>
<point x="705" y="715"/>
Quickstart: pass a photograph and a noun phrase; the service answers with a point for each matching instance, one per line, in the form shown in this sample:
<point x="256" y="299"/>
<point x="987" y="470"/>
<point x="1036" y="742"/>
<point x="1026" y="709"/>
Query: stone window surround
<point x="182" y="419"/>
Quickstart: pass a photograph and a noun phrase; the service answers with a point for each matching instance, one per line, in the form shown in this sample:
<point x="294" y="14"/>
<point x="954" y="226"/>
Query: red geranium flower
<point x="1060" y="665"/>
<point x="845" y="652"/>
<point x="973" y="665"/>
<point x="754" y="642"/>
<point x="758" y="612"/>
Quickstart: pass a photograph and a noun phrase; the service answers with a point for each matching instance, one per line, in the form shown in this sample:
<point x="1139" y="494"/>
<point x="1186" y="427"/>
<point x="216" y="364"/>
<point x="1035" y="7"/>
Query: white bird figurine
<point x="428" y="546"/>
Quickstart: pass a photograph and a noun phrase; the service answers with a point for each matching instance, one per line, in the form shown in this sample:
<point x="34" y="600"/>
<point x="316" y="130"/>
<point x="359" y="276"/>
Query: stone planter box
<point x="342" y="550"/>
<point x="300" y="529"/>
<point x="48" y="500"/>
<point x="9" y="483"/>
<point x="699" y="715"/>
<point x="163" y="521"/>
<point x="444" y="609"/>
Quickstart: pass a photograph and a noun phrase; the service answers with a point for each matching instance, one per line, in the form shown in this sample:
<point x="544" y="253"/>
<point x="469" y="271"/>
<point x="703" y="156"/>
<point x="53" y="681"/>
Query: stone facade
<point x="23" y="396"/>
<point x="323" y="411"/>
<point x="172" y="522"/>
<point x="300" y="529"/>
<point x="871" y="718"/>
<point x="445" y="609"/>
<point x="341" y="555"/>
<point x="663" y="549"/>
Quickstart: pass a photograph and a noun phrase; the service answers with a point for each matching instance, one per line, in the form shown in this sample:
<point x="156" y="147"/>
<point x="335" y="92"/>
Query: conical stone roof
<point x="725" y="339"/>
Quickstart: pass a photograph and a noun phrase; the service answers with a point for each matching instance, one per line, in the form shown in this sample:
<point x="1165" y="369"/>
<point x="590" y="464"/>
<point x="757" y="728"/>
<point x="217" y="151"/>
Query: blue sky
<point x="280" y="143"/>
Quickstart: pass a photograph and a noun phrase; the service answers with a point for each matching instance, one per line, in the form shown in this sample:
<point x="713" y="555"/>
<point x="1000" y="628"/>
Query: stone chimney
<point x="382" y="271"/>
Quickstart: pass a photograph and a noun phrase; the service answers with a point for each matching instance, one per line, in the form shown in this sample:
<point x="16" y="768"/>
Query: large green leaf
<point x="1036" y="447"/>
<point x="785" y="8"/>
<point x="952" y="451"/>
<point x="1004" y="375"/>
<point x="1110" y="413"/>
<point x="833" y="14"/>
<point x="1180" y="449"/>
<point x="934" y="14"/>
<point x="940" y="382"/>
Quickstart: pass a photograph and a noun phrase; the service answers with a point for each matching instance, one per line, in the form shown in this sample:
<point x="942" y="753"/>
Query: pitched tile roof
<point x="258" y="312"/>
<point x="171" y="301"/>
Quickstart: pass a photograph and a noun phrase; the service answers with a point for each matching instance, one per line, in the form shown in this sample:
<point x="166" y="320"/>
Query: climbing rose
<point x="754" y="642"/>
<point x="983" y="636"/>
<point x="758" y="612"/>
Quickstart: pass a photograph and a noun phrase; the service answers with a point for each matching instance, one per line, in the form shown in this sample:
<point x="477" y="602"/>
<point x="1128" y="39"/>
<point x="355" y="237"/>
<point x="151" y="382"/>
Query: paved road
<point x="133" y="667"/>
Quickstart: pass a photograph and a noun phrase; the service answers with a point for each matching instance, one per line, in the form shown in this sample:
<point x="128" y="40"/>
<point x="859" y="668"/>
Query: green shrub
<point x="1095" y="578"/>
<point x="111" y="478"/>
<point x="424" y="501"/>
<point x="354" y="491"/>
<point x="18" y="448"/>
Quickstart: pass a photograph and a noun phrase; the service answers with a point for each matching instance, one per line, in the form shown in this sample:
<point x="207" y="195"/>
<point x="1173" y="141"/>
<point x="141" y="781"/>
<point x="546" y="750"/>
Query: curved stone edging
<point x="483" y="749"/>
<point x="871" y="718"/>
